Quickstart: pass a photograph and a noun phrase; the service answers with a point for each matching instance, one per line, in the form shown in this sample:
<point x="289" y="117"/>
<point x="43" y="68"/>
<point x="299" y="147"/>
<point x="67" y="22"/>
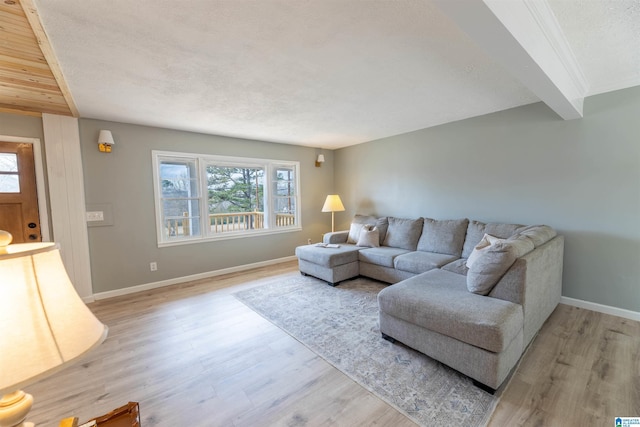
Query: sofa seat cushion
<point x="383" y="255"/>
<point x="328" y="257"/>
<point x="438" y="300"/>
<point x="419" y="262"/>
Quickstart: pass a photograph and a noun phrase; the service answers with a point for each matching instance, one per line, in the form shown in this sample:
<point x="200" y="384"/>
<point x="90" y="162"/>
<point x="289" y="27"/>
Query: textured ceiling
<point x="323" y="73"/>
<point x="605" y="38"/>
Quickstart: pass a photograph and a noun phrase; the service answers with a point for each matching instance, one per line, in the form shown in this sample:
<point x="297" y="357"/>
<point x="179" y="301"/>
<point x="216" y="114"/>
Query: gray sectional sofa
<point x="479" y="319"/>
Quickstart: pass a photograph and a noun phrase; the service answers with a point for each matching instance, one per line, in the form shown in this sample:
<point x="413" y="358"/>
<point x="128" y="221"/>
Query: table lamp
<point x="333" y="204"/>
<point x="44" y="324"/>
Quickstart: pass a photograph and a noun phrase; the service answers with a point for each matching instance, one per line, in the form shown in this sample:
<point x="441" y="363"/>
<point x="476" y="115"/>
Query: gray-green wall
<point x="121" y="253"/>
<point x="522" y="165"/>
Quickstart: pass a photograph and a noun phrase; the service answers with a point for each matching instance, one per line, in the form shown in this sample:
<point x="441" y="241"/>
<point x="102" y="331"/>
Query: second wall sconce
<point x="319" y="160"/>
<point x="105" y="141"/>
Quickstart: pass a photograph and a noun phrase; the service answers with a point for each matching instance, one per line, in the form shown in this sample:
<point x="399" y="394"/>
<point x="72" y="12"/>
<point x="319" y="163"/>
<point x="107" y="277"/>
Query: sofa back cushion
<point x="476" y="231"/>
<point x="360" y="220"/>
<point x="403" y="233"/>
<point x="443" y="236"/>
<point x="494" y="262"/>
<point x="539" y="234"/>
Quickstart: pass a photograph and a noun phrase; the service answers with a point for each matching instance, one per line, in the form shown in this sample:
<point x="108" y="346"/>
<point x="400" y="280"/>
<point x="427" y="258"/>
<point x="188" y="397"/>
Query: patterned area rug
<point x="341" y="325"/>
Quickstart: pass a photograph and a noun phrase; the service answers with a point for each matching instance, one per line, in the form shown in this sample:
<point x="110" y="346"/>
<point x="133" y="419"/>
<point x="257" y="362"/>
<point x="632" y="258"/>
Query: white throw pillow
<point x="354" y="232"/>
<point x="482" y="247"/>
<point x="369" y="237"/>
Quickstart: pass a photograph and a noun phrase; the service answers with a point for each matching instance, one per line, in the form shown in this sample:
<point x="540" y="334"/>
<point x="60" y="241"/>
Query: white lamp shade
<point x="44" y="324"/>
<point x="333" y="204"/>
<point x="320" y="158"/>
<point x="105" y="137"/>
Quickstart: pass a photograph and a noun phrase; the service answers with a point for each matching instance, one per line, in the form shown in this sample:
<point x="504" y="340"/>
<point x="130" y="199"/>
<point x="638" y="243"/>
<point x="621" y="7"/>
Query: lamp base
<point x="14" y="408"/>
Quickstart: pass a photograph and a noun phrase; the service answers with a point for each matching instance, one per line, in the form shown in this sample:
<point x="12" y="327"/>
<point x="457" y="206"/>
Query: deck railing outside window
<point x="225" y="222"/>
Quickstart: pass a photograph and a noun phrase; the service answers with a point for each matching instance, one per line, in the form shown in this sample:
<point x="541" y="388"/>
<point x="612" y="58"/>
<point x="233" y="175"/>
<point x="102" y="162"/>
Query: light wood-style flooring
<point x="193" y="355"/>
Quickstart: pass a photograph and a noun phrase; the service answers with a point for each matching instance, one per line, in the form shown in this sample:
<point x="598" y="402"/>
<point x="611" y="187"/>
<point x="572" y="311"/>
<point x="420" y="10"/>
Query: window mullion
<point x="268" y="209"/>
<point x="205" y="223"/>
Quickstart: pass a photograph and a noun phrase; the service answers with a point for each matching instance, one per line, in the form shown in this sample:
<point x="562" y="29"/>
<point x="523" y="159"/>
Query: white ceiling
<point x="333" y="73"/>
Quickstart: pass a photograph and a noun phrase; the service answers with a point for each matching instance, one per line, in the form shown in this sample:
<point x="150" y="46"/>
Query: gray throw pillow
<point x="403" y="233"/>
<point x="357" y="223"/>
<point x="354" y="232"/>
<point x="369" y="237"/>
<point x="487" y="270"/>
<point x="443" y="236"/>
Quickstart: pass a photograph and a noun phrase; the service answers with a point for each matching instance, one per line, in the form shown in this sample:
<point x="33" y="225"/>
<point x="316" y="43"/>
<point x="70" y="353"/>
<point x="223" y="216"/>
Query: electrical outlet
<point x="95" y="216"/>
<point x="153" y="266"/>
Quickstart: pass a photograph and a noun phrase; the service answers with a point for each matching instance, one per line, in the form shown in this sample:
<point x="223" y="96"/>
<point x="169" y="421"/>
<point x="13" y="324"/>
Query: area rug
<point x="340" y="324"/>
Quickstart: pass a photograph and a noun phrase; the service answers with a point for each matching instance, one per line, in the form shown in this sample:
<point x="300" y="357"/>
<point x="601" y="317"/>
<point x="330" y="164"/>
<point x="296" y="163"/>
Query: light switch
<point x="95" y="216"/>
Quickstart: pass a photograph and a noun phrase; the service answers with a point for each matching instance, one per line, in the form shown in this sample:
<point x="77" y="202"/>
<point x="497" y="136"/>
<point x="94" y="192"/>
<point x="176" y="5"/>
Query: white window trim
<point x="202" y="160"/>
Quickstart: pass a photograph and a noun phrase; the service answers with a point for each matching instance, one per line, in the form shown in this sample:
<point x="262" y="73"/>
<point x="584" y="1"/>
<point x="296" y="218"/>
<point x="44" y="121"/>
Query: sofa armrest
<point x="336" y="237"/>
<point x="535" y="282"/>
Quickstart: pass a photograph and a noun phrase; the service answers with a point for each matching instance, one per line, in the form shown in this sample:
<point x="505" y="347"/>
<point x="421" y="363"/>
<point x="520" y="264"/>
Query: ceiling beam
<point x="31" y="13"/>
<point x="524" y="37"/>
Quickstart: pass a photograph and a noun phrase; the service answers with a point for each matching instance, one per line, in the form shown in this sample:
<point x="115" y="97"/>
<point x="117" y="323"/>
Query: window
<point x="9" y="176"/>
<point x="201" y="197"/>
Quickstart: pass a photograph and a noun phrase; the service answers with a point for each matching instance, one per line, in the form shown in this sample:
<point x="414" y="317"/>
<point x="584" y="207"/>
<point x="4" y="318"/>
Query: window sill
<point x="230" y="235"/>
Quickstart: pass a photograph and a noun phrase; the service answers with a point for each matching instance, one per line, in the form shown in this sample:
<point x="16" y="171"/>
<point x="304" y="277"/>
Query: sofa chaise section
<point x="435" y="314"/>
<point x="333" y="265"/>
<point x="480" y="336"/>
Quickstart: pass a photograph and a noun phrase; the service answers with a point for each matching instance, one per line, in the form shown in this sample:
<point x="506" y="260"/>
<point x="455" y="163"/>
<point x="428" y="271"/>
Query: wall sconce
<point x="319" y="160"/>
<point x="105" y="141"/>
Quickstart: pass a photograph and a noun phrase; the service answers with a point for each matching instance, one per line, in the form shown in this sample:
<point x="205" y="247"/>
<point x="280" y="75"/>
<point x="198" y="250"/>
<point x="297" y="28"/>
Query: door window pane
<point x="9" y="184"/>
<point x="9" y="179"/>
<point x="8" y="162"/>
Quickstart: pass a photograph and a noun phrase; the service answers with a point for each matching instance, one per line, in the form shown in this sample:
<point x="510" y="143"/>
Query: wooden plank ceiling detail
<point x="31" y="81"/>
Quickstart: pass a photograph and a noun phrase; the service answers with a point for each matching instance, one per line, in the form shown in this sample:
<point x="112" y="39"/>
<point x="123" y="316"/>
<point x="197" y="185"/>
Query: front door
<point x="18" y="196"/>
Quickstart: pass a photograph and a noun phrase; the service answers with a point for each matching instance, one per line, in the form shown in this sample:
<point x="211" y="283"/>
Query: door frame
<point x="41" y="186"/>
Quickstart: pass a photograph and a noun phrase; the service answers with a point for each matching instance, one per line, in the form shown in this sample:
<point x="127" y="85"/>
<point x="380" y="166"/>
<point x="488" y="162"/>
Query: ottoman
<point x="333" y="265"/>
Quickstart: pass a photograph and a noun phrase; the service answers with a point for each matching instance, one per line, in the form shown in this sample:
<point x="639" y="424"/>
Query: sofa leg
<point x="484" y="387"/>
<point x="388" y="338"/>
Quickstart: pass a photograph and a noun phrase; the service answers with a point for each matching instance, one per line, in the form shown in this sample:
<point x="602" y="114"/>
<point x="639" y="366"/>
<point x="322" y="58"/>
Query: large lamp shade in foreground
<point x="44" y="324"/>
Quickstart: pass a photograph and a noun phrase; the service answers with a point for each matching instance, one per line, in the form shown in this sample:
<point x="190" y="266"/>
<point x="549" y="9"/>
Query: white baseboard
<point x="606" y="309"/>
<point x="175" y="281"/>
<point x="601" y="308"/>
